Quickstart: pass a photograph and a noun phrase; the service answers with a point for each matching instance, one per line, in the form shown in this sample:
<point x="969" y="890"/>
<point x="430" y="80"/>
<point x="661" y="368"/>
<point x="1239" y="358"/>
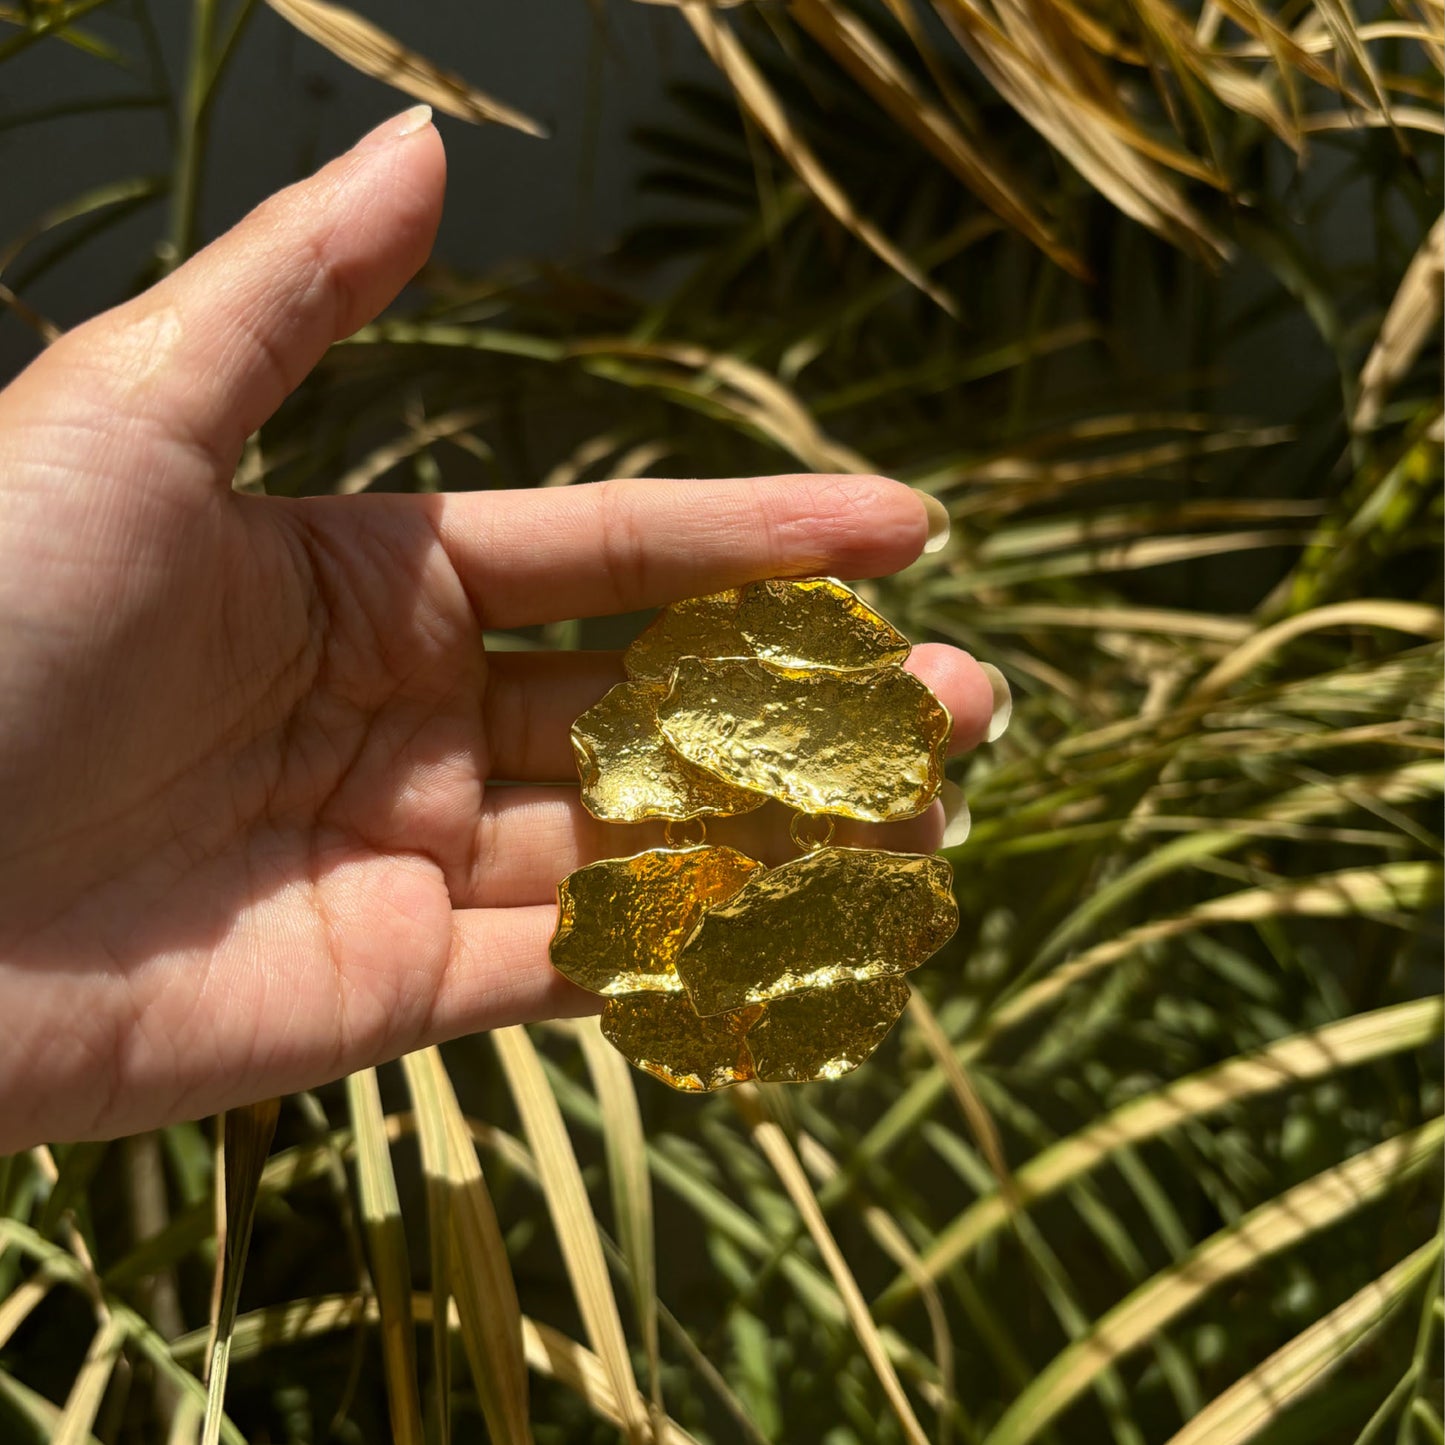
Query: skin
<point x="248" y="840"/>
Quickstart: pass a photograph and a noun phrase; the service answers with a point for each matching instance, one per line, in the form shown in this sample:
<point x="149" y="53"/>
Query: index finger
<point x="545" y="555"/>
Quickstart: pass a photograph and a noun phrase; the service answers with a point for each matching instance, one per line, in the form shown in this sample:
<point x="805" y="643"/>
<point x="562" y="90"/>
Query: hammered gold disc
<point x="696" y="627"/>
<point x="816" y="622"/>
<point x="811" y="622"/>
<point x="629" y="771"/>
<point x="621" y="921"/>
<point x="660" y="1034"/>
<point x="867" y="745"/>
<point x="715" y="969"/>
<point x="825" y="1033"/>
<point x="834" y="915"/>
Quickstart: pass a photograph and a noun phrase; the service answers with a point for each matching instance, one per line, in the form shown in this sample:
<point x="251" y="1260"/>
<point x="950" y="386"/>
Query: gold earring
<point x="715" y="968"/>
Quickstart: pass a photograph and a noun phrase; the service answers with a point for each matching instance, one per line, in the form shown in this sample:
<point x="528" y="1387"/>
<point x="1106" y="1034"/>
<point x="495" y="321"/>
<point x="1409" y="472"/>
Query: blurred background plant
<point x="1149" y="294"/>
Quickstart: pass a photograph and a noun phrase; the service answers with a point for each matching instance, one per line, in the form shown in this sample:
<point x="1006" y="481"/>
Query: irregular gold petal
<point x="696" y="627"/>
<point x="809" y="622"/>
<point x="866" y="745"/>
<point x="834" y="915"/>
<point x="826" y="1033"/>
<point x="814" y="622"/>
<point x="629" y="772"/>
<point x="661" y="1035"/>
<point x="620" y="922"/>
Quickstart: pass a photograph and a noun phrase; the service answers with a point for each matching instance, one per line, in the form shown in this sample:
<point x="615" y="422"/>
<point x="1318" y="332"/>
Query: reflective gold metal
<point x="661" y="1034"/>
<point x="715" y="968"/>
<point x="691" y="833"/>
<point x="697" y="627"/>
<point x="622" y="921"/>
<point x="825" y="1033"/>
<point x="809" y="833"/>
<point x="629" y="771"/>
<point x="866" y="745"/>
<point x="815" y="622"/>
<point x="833" y="915"/>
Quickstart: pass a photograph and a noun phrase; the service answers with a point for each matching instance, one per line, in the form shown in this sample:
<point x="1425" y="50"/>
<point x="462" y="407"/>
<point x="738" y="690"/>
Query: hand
<point x="246" y="839"/>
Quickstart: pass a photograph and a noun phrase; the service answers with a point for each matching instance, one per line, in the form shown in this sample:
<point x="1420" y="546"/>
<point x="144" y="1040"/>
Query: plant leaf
<point x="1253" y="1402"/>
<point x="386" y="1249"/>
<point x="468" y="1252"/>
<point x="572" y="1217"/>
<point x="369" y="49"/>
<point x="1297" y="1214"/>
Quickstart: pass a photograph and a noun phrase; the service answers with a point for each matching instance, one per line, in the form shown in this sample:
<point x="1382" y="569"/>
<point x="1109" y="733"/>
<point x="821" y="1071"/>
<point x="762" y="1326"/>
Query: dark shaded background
<point x="287" y="105"/>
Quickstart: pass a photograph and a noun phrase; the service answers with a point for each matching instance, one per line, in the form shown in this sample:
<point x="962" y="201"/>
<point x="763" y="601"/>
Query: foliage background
<point x="1149" y="295"/>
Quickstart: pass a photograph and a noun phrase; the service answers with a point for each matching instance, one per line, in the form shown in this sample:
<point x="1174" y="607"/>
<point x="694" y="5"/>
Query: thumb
<point x="204" y="357"/>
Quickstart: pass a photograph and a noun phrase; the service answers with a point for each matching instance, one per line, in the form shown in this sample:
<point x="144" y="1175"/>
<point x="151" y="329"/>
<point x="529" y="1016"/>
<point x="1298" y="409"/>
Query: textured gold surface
<point x="832" y="916"/>
<point x="716" y="969"/>
<point x="621" y="921"/>
<point x="825" y="1033"/>
<point x="630" y="773"/>
<point x="813" y="622"/>
<point x="866" y="745"/>
<point x="697" y="627"/>
<point x="660" y="1034"/>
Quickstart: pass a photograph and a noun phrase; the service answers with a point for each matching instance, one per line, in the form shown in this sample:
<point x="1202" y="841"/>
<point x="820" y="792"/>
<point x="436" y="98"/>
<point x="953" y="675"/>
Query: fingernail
<point x="938" y="522"/>
<point x="397" y="128"/>
<point x="957" y="820"/>
<point x="1003" y="701"/>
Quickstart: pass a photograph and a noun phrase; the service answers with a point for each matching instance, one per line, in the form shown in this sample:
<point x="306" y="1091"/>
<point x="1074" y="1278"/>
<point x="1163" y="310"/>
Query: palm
<point x="244" y="743"/>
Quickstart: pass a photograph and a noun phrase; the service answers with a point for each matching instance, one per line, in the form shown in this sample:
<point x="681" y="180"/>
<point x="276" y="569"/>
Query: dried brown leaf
<point x="369" y="49"/>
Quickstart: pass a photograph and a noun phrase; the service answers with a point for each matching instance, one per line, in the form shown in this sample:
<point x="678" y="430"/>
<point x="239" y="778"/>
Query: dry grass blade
<point x="185" y="1422"/>
<point x="1344" y="28"/>
<point x="774" y="1145"/>
<point x="864" y="56"/>
<point x="467" y="1247"/>
<point x="1295" y="1215"/>
<point x="758" y="98"/>
<point x="970" y="1104"/>
<point x="892" y="1240"/>
<point x="42" y="326"/>
<point x="561" y="1358"/>
<point x="118" y="196"/>
<point x="746" y="392"/>
<point x="1158" y="620"/>
<point x="572" y="1217"/>
<point x="631" y="1183"/>
<point x="1411" y="617"/>
<point x="1413" y="317"/>
<point x="733" y="1223"/>
<point x="1016" y="480"/>
<point x="588" y="453"/>
<point x="15" y="1308"/>
<point x="1389" y="888"/>
<point x="1254" y="1402"/>
<point x="1405" y="117"/>
<point x="88" y="1388"/>
<point x="41" y="1414"/>
<point x="1280" y="1065"/>
<point x="1025" y="538"/>
<point x="1130" y="556"/>
<point x="1027" y="67"/>
<point x="63" y="1267"/>
<point x="547" y="1351"/>
<point x="369" y="49"/>
<point x="386" y="1248"/>
<point x="379" y="462"/>
<point x="247" y="1135"/>
<point x="1321" y="42"/>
